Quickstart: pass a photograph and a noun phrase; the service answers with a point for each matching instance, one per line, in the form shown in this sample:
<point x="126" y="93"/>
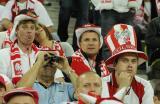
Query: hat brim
<point x="81" y="30"/>
<point x="142" y="57"/>
<point x="32" y="93"/>
<point x="19" y="18"/>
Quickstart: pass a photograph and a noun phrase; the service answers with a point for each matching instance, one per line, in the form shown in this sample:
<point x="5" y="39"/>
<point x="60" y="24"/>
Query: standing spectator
<point x="79" y="9"/>
<point x="125" y="59"/>
<point x="87" y="58"/>
<point x="13" y="7"/>
<point x="21" y="96"/>
<point x="114" y="12"/>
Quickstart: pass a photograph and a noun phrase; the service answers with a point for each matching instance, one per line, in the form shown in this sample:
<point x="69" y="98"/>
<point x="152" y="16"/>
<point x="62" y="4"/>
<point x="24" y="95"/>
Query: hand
<point x="123" y="79"/>
<point x="63" y="65"/>
<point x="41" y="57"/>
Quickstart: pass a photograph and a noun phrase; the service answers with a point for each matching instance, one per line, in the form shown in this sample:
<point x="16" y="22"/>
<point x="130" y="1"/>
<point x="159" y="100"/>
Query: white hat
<point x="122" y="39"/>
<point x="18" y="18"/>
<point x="86" y="27"/>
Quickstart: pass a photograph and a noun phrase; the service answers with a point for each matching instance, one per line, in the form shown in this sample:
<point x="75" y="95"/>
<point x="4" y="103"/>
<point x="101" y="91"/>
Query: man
<point x="21" y="55"/>
<point x="125" y="59"/>
<point x="13" y="7"/>
<point x="21" y="96"/>
<point x="87" y="58"/>
<point x="41" y="78"/>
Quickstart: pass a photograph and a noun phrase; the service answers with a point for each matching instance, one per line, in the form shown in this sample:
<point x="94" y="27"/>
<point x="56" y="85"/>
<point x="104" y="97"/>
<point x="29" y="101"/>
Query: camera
<point x="52" y="58"/>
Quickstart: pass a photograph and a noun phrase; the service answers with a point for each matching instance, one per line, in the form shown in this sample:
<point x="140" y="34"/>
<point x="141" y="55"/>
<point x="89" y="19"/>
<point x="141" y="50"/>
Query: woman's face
<point x="40" y="34"/>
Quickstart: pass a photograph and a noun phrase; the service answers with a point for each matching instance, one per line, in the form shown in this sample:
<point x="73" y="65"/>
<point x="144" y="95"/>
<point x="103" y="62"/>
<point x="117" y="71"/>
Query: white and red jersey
<point x="140" y="91"/>
<point x="13" y="7"/>
<point x="81" y="65"/>
<point x="117" y="5"/>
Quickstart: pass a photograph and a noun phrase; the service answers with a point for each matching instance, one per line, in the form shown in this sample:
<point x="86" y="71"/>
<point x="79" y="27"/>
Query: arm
<point x="64" y="66"/>
<point x="29" y="78"/>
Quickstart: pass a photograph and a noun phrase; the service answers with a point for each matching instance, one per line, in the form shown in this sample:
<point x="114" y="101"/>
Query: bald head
<point x="89" y="82"/>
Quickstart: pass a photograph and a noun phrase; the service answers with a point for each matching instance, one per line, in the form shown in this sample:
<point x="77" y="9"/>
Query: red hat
<point x="2" y="81"/>
<point x="86" y="27"/>
<point x="122" y="39"/>
<point x="22" y="90"/>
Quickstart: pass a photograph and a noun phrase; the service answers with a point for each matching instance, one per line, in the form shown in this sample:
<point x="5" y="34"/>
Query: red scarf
<point x="16" y="62"/>
<point x="16" y="9"/>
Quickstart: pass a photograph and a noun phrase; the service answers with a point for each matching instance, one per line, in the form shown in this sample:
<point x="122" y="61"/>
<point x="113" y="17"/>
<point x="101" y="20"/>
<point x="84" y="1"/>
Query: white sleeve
<point x="44" y="17"/>
<point x="148" y="94"/>
<point x="5" y="62"/>
<point x="7" y="10"/>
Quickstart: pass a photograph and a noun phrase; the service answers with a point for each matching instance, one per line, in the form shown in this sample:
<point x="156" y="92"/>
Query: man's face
<point x="90" y="43"/>
<point x="47" y="72"/>
<point x="127" y="62"/>
<point x="90" y="83"/>
<point x="21" y="99"/>
<point x="26" y="33"/>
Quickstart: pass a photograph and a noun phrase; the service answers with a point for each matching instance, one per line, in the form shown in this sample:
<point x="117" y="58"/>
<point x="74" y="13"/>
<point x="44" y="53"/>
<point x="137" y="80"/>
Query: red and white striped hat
<point x="122" y="39"/>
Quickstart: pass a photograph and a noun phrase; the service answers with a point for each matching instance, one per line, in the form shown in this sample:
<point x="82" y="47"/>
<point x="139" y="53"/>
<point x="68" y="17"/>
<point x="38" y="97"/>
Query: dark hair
<point x="26" y="11"/>
<point x="89" y="31"/>
<point x="48" y="34"/>
<point x="157" y="90"/>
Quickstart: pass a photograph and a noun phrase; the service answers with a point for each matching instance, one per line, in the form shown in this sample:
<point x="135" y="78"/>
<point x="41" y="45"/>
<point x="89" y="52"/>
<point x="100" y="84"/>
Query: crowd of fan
<point x="112" y="39"/>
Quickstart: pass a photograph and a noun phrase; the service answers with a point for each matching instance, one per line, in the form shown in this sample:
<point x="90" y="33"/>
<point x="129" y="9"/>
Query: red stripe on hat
<point x="115" y="42"/>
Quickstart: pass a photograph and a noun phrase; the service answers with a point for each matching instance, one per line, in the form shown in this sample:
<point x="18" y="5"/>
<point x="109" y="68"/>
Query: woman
<point x="45" y="41"/>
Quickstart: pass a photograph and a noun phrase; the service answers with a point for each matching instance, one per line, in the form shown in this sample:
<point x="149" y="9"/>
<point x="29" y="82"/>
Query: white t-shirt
<point x="39" y="9"/>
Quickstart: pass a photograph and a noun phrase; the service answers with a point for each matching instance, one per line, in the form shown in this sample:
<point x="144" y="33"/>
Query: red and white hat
<point x="86" y="27"/>
<point x="18" y="18"/>
<point x="23" y="90"/>
<point x="122" y="39"/>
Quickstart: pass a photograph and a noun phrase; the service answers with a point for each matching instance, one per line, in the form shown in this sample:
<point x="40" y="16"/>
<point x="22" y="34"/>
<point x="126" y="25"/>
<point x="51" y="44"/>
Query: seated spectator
<point x="21" y="96"/>
<point x="157" y="93"/>
<point x="87" y="58"/>
<point x="125" y="59"/>
<point x="90" y="83"/>
<point x="41" y="78"/>
<point x="13" y="7"/>
<point x="44" y="39"/>
<point x="22" y="35"/>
